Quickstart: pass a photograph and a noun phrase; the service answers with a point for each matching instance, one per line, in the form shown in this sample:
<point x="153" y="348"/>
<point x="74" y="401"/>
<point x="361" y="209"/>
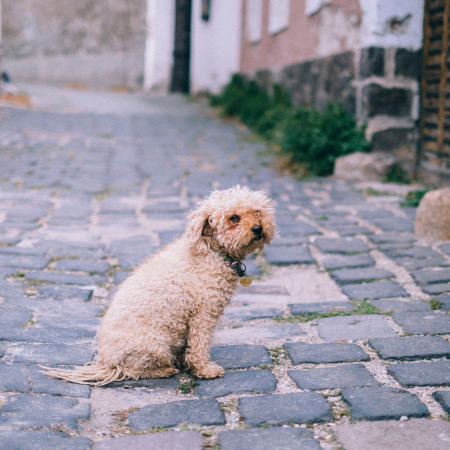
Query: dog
<point x="163" y="316"/>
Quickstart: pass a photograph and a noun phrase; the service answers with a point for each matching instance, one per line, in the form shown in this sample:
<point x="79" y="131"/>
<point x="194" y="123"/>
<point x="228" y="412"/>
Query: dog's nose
<point x="257" y="229"/>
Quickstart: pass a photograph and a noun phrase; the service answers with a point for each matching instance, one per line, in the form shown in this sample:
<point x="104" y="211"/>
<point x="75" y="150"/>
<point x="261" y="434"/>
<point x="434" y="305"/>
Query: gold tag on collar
<point x="245" y="281"/>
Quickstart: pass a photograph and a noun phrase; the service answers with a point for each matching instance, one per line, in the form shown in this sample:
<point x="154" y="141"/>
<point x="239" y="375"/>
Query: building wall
<point x="362" y="53"/>
<point x="331" y="30"/>
<point x="97" y="42"/>
<point x="215" y="45"/>
<point x="159" y="45"/>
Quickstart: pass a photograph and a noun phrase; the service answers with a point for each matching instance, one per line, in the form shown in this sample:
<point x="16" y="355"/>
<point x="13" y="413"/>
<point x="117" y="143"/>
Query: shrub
<point x="308" y="137"/>
<point x="316" y="139"/>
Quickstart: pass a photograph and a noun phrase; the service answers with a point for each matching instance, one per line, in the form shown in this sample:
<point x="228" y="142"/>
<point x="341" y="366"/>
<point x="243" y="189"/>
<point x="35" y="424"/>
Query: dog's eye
<point x="235" y="218"/>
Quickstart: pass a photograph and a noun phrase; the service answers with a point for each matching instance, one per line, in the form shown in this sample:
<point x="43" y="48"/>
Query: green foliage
<point x="187" y="387"/>
<point x="398" y="175"/>
<point x="316" y="139"/>
<point x="360" y="307"/>
<point x="435" y="304"/>
<point x="413" y="198"/>
<point x="310" y="138"/>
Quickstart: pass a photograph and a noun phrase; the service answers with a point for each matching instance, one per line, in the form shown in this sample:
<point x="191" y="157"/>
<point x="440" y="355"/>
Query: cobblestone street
<point x="86" y="194"/>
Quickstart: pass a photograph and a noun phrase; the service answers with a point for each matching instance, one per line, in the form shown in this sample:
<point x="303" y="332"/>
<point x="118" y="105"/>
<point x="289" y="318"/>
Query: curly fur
<point x="163" y="316"/>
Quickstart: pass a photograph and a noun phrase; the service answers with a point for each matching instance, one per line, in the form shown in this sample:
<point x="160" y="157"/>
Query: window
<point x="254" y="20"/>
<point x="278" y="15"/>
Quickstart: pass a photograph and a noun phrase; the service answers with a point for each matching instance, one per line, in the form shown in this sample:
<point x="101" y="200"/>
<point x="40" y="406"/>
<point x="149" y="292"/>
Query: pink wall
<point x="295" y="44"/>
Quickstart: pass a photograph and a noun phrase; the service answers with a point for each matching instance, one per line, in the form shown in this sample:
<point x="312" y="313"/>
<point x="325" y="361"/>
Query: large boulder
<point x="433" y="216"/>
<point x="363" y="166"/>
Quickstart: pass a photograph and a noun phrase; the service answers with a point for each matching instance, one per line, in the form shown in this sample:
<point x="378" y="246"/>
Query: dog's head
<point x="238" y="220"/>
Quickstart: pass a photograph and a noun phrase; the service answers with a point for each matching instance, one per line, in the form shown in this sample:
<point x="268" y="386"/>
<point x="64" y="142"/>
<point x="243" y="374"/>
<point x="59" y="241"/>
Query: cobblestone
<point x="79" y="211"/>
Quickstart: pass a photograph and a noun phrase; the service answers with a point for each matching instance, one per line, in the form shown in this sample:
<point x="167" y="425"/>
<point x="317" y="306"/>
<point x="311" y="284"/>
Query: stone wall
<point x="379" y="86"/>
<point x="96" y="42"/>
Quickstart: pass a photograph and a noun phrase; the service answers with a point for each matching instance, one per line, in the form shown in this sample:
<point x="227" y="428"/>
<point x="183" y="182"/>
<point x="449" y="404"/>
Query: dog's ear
<point x="199" y="231"/>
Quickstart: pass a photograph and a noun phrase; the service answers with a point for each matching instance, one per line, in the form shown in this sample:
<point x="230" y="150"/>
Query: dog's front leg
<point x="201" y="328"/>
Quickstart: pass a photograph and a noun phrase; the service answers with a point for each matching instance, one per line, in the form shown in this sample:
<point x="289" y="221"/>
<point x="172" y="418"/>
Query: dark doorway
<point x="182" y="50"/>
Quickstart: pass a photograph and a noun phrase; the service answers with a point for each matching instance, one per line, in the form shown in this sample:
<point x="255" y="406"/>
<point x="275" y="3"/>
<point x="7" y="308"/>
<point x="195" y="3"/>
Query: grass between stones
<point x="187" y="387"/>
<point x="361" y="307"/>
<point x="435" y="304"/>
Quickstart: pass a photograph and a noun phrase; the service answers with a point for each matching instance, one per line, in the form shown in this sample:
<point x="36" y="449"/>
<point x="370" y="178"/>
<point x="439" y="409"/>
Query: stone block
<point x="14" y="378"/>
<point x="432" y="218"/>
<point x="434" y="373"/>
<point x="411" y="264"/>
<point x="30" y="411"/>
<point x="443" y="398"/>
<point x="75" y="265"/>
<point x="6" y="272"/>
<point x="350" y="230"/>
<point x="434" y="289"/>
<point x="351" y="375"/>
<point x="410" y="348"/>
<point x="383" y="403"/>
<point x="254" y="335"/>
<point x="23" y="262"/>
<point x="13" y="316"/>
<point x="408" y="63"/>
<point x="199" y="412"/>
<point x="268" y="439"/>
<point x="65" y="292"/>
<point x="307" y="407"/>
<point x="445" y="248"/>
<point x="42" y="384"/>
<point x="371" y="62"/>
<point x="52" y="354"/>
<point x="397" y="305"/>
<point x="399" y="224"/>
<point x="41" y="440"/>
<point x="394" y="102"/>
<point x="352" y="276"/>
<point x="301" y="352"/>
<point x="289" y="255"/>
<point x="240" y="356"/>
<point x="395" y="141"/>
<point x="245" y="314"/>
<point x="415" y="252"/>
<point x="171" y="383"/>
<point x="50" y="335"/>
<point x="348" y="262"/>
<point x="431" y="276"/>
<point x="68" y="321"/>
<point x="416" y="434"/>
<point x="392" y="238"/>
<point x="346" y="246"/>
<point x="363" y="166"/>
<point x="64" y="278"/>
<point x="307" y="308"/>
<point x="120" y="277"/>
<point x="262" y="290"/>
<point x="242" y="382"/>
<point x="423" y="322"/>
<point x="375" y="290"/>
<point x="351" y="328"/>
<point x="172" y="440"/>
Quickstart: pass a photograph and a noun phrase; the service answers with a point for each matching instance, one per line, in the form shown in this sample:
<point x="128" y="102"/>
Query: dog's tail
<point x="91" y="373"/>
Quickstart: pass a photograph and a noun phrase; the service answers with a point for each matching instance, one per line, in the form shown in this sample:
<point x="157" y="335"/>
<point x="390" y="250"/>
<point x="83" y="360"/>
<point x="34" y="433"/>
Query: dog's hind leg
<point x="198" y="352"/>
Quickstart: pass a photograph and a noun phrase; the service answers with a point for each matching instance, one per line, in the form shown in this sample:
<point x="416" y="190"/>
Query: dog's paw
<point x="211" y="370"/>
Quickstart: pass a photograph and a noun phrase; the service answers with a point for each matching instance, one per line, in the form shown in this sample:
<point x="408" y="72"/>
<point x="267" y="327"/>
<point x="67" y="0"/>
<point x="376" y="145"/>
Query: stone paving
<point x="335" y="336"/>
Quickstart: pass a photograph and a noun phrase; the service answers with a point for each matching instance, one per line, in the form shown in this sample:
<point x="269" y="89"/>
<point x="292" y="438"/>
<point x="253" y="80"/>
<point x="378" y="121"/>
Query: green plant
<point x="341" y="412"/>
<point x="435" y="303"/>
<point x="398" y="175"/>
<point x="413" y="198"/>
<point x="187" y="387"/>
<point x="360" y="307"/>
<point x="316" y="139"/>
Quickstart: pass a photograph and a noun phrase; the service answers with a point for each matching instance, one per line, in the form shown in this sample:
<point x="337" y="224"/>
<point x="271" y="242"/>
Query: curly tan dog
<point x="163" y="316"/>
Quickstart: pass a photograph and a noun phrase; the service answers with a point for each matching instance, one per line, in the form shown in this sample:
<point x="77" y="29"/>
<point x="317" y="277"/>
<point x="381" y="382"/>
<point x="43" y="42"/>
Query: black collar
<point x="234" y="264"/>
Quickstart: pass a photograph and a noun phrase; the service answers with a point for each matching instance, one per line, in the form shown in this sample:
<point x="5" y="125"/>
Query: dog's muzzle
<point x="257" y="231"/>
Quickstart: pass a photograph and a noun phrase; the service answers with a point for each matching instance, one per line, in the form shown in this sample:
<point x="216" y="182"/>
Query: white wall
<point x="159" y="44"/>
<point x="215" y="45"/>
<point x="376" y="25"/>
